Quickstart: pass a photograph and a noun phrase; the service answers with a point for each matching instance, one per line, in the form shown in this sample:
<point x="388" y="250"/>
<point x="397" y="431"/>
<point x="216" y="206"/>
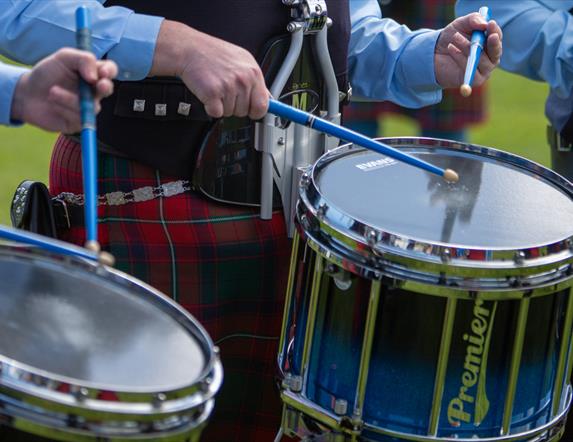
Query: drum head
<point x="92" y="327"/>
<point x="495" y="205"/>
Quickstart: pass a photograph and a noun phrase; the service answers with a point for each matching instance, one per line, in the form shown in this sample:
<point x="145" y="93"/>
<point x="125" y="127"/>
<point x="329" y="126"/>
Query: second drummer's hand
<point x="225" y="77"/>
<point x="453" y="48"/>
<point x="47" y="95"/>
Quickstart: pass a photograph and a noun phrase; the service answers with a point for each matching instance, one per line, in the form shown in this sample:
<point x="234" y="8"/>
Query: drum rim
<point x="32" y="383"/>
<point x="444" y="284"/>
<point x="316" y="213"/>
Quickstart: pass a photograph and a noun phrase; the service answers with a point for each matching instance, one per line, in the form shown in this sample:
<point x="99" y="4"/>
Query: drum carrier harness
<point x="158" y="121"/>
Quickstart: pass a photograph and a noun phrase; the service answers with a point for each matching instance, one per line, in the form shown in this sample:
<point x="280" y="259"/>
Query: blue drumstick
<point x="477" y="44"/>
<point x="50" y="245"/>
<point x="88" y="135"/>
<point x="306" y="119"/>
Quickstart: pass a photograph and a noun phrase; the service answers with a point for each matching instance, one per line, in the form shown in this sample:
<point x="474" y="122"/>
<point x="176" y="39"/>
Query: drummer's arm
<point x="388" y="61"/>
<point x="226" y="78"/>
<point x="33" y="29"/>
<point x="538" y="38"/>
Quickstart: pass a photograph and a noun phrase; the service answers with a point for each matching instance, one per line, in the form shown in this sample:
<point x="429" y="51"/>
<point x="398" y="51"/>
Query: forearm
<point x="170" y="54"/>
<point x="32" y="29"/>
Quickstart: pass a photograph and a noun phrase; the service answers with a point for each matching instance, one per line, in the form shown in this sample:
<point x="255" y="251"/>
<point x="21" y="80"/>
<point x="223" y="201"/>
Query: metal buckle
<point x="66" y="211"/>
<point x="557" y="140"/>
<point x="312" y="13"/>
<point x="562" y="145"/>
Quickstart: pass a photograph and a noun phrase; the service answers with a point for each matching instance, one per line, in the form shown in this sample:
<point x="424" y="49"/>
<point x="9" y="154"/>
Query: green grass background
<point x="516" y="123"/>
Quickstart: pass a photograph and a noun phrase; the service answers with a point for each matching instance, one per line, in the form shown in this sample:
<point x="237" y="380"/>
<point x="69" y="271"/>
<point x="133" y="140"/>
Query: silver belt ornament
<point x="138" y="195"/>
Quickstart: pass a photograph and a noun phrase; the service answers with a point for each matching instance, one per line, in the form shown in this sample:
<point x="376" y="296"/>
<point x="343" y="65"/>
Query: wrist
<point x="19" y="99"/>
<point x="171" y="51"/>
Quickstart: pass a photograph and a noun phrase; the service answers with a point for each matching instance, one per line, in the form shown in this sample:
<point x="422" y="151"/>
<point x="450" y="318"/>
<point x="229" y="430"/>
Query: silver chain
<point x="140" y="194"/>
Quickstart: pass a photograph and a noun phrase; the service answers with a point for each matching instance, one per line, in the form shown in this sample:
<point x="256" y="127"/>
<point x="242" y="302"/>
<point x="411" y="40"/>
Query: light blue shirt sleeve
<point x="388" y="61"/>
<point x="9" y="76"/>
<point x="32" y="29"/>
<point x="537" y="39"/>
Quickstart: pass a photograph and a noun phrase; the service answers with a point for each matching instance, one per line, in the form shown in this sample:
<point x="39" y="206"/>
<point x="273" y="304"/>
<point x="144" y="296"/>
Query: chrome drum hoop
<point x="383" y="247"/>
<point x="443" y="283"/>
<point x="54" y="399"/>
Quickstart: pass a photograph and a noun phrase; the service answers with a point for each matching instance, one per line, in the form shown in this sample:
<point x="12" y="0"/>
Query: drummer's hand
<point x="225" y="77"/>
<point x="453" y="48"/>
<point x="47" y="96"/>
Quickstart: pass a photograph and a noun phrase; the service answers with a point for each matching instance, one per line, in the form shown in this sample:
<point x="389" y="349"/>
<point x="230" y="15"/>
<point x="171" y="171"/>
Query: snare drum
<point x="422" y="310"/>
<point x="88" y="353"/>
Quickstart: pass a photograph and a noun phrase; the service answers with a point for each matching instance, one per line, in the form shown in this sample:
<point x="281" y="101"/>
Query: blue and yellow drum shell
<point x="417" y="310"/>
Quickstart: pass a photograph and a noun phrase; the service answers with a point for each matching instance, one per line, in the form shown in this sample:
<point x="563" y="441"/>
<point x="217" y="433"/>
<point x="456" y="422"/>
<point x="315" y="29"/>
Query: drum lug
<point x="206" y="385"/>
<point x="295" y="384"/>
<point x="341" y="277"/>
<point x="292" y="382"/>
<point x="340" y="407"/>
<point x="81" y="394"/>
<point x="158" y="400"/>
<point x="305" y="223"/>
<point x="519" y="257"/>
<point x="446" y="255"/>
<point x="321" y="211"/>
<point x="305" y="180"/>
<point x="371" y="237"/>
<point x="515" y="281"/>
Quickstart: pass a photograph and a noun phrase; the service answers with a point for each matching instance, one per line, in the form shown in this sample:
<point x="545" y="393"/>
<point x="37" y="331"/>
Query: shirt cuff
<point x="134" y="53"/>
<point x="9" y="77"/>
<point x="417" y="63"/>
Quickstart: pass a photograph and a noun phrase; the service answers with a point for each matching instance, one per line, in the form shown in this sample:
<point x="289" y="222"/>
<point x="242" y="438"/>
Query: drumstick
<point x="477" y="44"/>
<point x="55" y="246"/>
<point x="307" y="119"/>
<point x="88" y="135"/>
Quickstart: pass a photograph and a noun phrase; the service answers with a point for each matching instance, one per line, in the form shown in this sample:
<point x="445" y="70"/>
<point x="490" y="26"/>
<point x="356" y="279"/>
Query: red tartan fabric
<point x="222" y="263"/>
<point x="454" y="112"/>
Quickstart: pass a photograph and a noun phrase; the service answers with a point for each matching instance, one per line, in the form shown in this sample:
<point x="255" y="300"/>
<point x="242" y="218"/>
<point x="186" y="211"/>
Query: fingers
<point x="462" y="43"/>
<point x="103" y="88"/>
<point x="469" y="23"/>
<point x="494" y="48"/>
<point x="107" y="69"/>
<point x="69" y="100"/>
<point x="79" y="61"/>
<point x="259" y="100"/>
<point x="244" y="99"/>
<point x="229" y="100"/>
<point x="214" y="107"/>
<point x="459" y="57"/>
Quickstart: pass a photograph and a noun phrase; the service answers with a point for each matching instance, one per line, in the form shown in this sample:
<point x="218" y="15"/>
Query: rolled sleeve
<point x="9" y="77"/>
<point x="388" y="61"/>
<point x="417" y="64"/>
<point x="134" y="53"/>
<point x="32" y="29"/>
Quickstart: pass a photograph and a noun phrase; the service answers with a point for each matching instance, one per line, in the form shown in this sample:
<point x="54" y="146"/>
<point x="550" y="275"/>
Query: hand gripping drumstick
<point x="306" y="119"/>
<point x="477" y="44"/>
<point x="88" y="137"/>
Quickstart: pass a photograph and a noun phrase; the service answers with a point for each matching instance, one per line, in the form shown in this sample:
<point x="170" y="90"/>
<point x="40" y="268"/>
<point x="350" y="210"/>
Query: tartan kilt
<point x="222" y="263"/>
